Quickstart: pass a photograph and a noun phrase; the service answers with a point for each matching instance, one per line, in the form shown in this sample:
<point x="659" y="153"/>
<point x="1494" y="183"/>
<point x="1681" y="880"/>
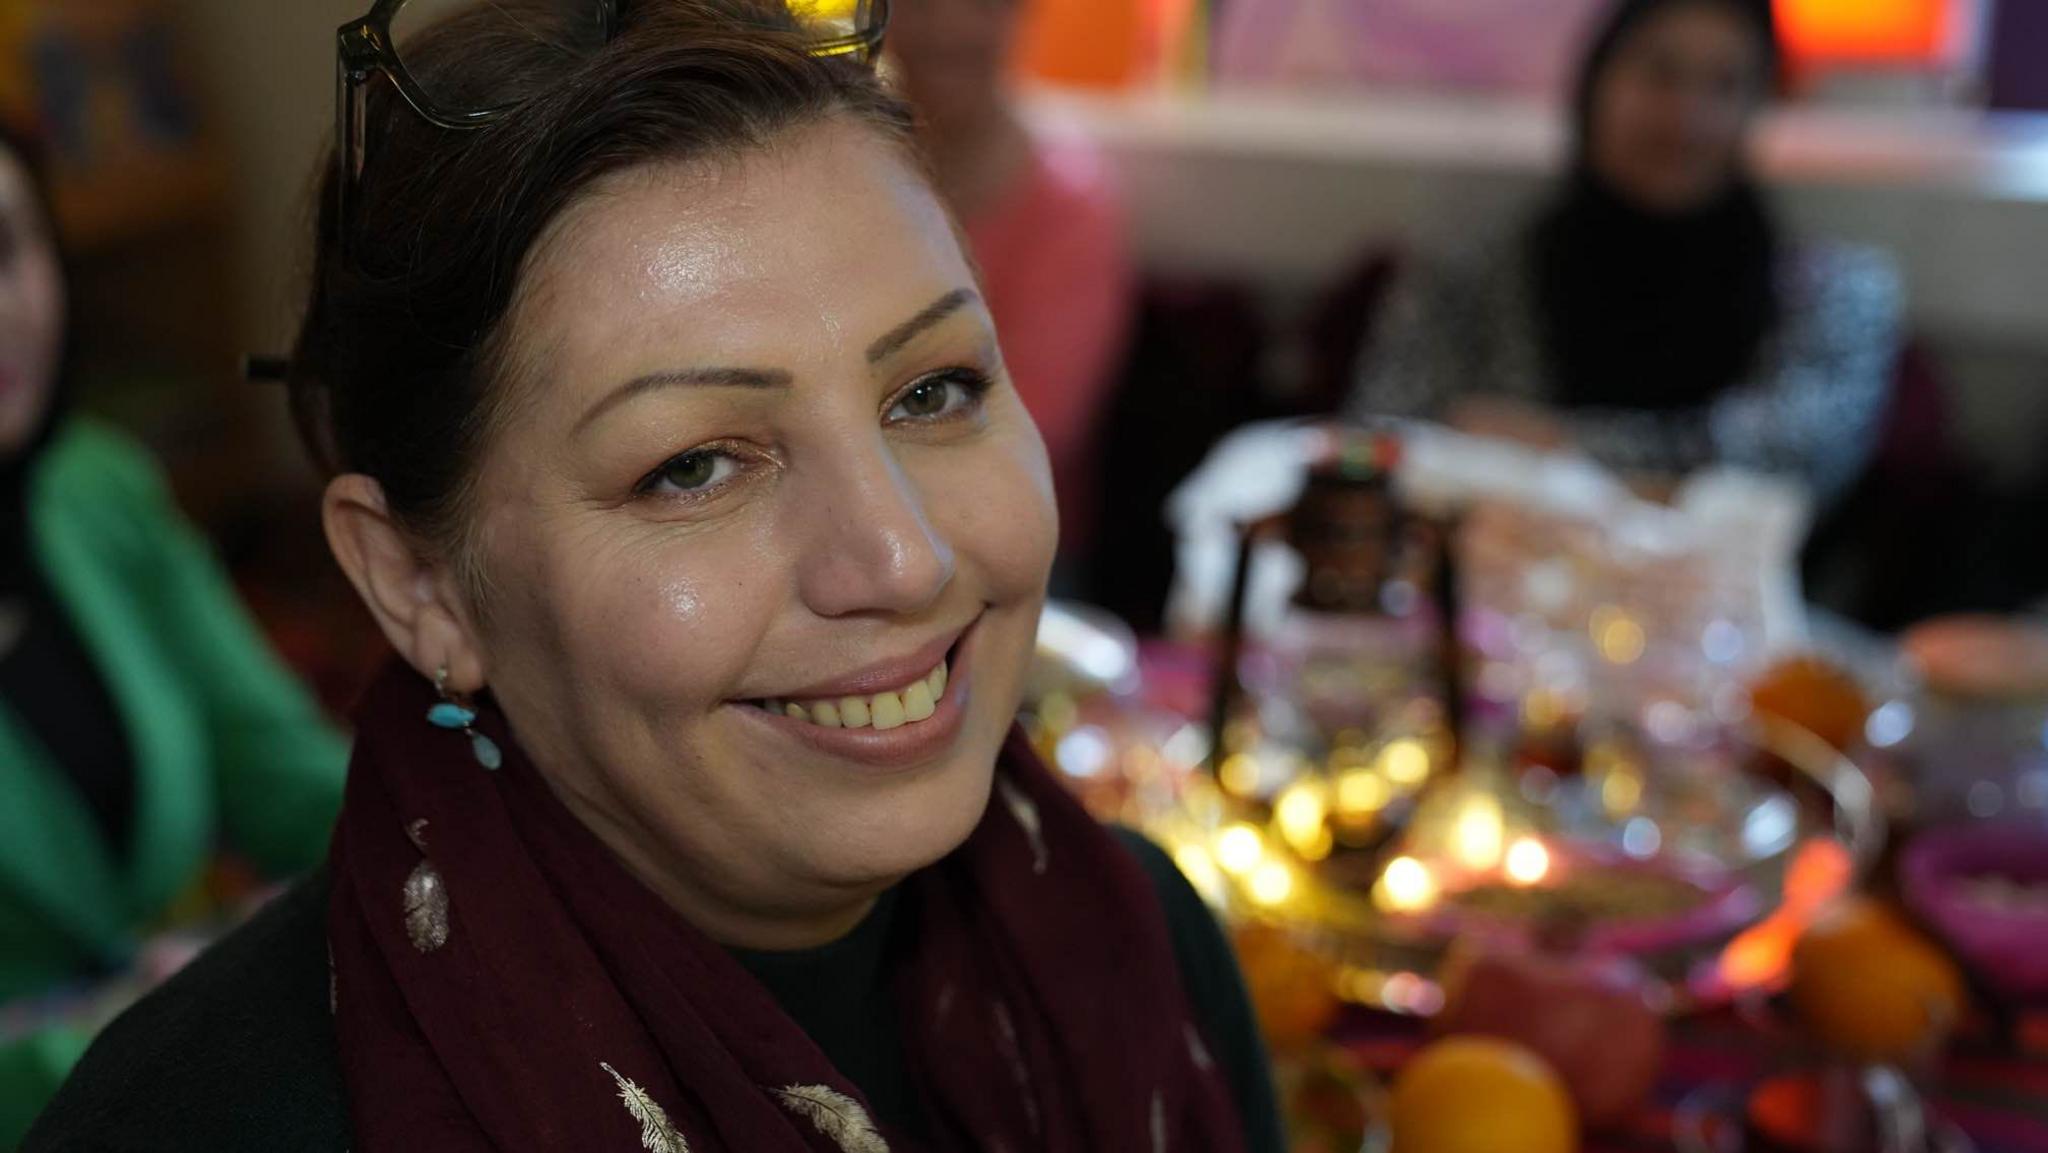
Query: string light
<point x="1239" y="774"/>
<point x="1528" y="862"/>
<point x="1617" y="635"/>
<point x="1239" y="849"/>
<point x="1405" y="762"/>
<point x="1271" y="883"/>
<point x="1299" y="813"/>
<point x="1477" y="836"/>
<point x="1361" y="794"/>
<point x="1621" y="791"/>
<point x="1406" y="887"/>
<point x="1200" y="869"/>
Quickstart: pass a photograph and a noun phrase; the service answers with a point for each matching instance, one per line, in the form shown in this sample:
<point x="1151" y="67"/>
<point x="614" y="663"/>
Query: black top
<point x="838" y="993"/>
<point x="237" y="1052"/>
<point x="48" y="679"/>
<point x="1648" y="310"/>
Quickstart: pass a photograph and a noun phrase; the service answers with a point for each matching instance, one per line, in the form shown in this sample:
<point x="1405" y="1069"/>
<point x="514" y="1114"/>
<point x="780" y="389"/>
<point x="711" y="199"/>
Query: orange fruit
<point x="1293" y="990"/>
<point x="1481" y="1095"/>
<point x="1870" y="987"/>
<point x="1816" y="696"/>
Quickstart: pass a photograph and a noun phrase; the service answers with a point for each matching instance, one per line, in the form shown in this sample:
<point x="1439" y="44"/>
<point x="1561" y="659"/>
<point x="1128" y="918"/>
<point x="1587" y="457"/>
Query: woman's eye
<point x="938" y="397"/>
<point x="692" y="472"/>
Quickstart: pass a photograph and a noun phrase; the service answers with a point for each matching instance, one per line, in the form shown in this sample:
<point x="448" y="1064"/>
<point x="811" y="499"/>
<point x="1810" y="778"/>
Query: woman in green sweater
<point x="143" y="722"/>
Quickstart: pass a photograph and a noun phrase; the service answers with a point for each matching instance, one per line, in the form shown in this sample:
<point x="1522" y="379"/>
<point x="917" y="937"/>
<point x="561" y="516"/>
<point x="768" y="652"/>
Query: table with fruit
<point x="1890" y="1020"/>
<point x="1593" y="1072"/>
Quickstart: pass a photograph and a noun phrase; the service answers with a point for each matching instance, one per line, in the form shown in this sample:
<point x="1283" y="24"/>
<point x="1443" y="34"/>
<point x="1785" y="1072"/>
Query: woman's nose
<point x="870" y="545"/>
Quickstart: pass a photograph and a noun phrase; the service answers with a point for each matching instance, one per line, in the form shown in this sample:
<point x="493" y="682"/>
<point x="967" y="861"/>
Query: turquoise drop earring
<point x="453" y="713"/>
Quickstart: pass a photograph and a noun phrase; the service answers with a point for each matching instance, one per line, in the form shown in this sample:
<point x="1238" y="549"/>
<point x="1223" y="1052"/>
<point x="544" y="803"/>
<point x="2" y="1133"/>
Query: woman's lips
<point x="888" y="737"/>
<point x="891" y="675"/>
<point x="910" y="704"/>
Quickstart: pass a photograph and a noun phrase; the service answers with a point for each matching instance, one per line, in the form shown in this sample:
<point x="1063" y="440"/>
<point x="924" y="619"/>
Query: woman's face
<point x="1671" y="112"/>
<point x="31" y="306"/>
<point x="764" y="461"/>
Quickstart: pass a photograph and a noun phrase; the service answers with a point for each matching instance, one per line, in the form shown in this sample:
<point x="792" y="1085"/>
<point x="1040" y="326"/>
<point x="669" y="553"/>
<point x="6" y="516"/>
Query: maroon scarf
<point x="567" y="1007"/>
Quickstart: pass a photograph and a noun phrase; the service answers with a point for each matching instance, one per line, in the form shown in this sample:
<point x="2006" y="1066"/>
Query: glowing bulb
<point x="1363" y="986"/>
<point x="1621" y="792"/>
<point x="1542" y="709"/>
<point x="1528" y="862"/>
<point x="1361" y="793"/>
<point x="1406" y="887"/>
<point x="1476" y="838"/>
<point x="1271" y="883"/>
<point x="1617" y="635"/>
<point x="1299" y="812"/>
<point x="1239" y="849"/>
<point x="1239" y="774"/>
<point x="1405" y="762"/>
<point x="1200" y="869"/>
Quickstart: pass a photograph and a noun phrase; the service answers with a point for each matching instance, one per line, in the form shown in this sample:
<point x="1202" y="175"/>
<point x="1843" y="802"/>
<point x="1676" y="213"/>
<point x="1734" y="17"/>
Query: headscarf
<point x="17" y="463"/>
<point x="502" y="982"/>
<point x="1647" y="310"/>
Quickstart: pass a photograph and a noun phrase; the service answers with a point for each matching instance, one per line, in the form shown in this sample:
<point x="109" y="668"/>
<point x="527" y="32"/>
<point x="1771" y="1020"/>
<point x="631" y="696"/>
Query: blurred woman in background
<point x="143" y="721"/>
<point x="1654" y="314"/>
<point x="1044" y="225"/>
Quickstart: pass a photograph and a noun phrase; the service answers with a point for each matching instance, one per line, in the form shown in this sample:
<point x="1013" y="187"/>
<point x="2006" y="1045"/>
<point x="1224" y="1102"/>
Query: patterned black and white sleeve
<point x="1813" y="411"/>
<point x="1420" y="357"/>
<point x="1838" y="355"/>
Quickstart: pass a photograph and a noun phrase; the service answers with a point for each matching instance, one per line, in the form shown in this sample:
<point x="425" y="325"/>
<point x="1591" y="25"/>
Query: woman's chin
<point x="910" y="829"/>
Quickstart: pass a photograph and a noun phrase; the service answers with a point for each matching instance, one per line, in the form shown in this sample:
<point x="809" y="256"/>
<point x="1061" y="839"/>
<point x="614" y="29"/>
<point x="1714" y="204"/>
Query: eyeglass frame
<point x="364" y="47"/>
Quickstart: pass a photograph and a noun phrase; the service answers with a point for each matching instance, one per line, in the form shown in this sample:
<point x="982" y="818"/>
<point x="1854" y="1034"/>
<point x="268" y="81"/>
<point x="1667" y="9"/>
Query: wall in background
<point x="267" y="71"/>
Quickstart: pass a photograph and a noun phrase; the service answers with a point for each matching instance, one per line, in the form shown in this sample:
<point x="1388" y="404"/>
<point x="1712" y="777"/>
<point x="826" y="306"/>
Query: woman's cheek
<point x="1037" y="465"/>
<point x="699" y="622"/>
<point x="665" y="619"/>
<point x="1004" y="514"/>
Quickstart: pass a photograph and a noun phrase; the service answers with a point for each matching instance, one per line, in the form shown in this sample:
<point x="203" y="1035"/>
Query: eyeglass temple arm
<point x="349" y="92"/>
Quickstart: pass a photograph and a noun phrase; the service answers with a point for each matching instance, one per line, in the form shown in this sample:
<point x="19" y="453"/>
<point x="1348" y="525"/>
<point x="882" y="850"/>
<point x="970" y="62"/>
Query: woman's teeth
<point x="882" y="711"/>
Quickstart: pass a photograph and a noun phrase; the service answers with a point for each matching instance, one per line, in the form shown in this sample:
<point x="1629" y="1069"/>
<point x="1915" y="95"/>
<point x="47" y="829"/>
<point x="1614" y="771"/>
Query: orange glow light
<point x="1866" y="31"/>
<point x="1760" y="957"/>
<point x="1086" y="43"/>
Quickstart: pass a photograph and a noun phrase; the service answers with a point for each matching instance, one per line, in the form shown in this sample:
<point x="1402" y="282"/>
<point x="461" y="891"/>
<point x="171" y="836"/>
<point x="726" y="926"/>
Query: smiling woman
<point x="674" y="453"/>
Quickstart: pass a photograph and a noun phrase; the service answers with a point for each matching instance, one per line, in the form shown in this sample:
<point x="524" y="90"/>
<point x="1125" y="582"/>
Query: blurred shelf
<point x="1286" y="189"/>
<point x="2001" y="156"/>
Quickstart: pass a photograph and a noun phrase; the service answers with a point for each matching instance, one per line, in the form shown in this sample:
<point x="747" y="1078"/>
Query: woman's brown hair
<point x="403" y="348"/>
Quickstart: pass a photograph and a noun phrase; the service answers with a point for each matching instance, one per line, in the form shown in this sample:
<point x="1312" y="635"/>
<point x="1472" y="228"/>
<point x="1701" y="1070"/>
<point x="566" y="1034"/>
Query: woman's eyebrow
<point x="888" y="344"/>
<point x="684" y="378"/>
<point x="938" y="310"/>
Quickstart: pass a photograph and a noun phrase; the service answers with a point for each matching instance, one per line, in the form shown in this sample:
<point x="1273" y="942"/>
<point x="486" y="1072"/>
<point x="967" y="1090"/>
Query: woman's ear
<point x="410" y="595"/>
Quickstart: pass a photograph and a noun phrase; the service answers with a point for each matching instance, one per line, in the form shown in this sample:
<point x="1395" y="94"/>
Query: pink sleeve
<point x="1056" y="266"/>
